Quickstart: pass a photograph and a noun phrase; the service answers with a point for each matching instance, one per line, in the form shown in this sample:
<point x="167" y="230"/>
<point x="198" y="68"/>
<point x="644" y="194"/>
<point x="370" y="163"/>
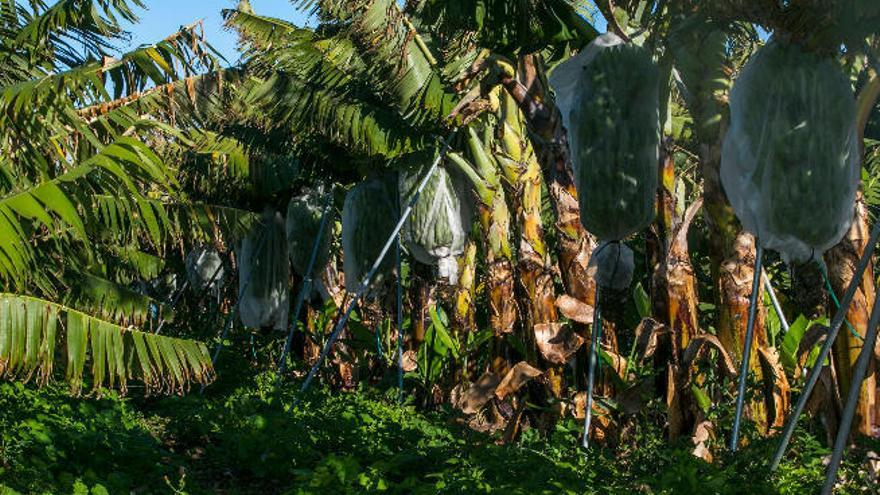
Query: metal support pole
<point x="306" y="287"/>
<point x="365" y="283"/>
<point x="776" y="306"/>
<point x="836" y="322"/>
<point x="595" y="340"/>
<point x="747" y="347"/>
<point x="852" y="399"/>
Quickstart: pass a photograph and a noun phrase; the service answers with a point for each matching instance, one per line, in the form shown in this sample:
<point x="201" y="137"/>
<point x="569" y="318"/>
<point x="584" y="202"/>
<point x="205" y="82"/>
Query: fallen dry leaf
<point x="518" y="376"/>
<point x="479" y="393"/>
<point x="557" y="342"/>
<point x="575" y="309"/>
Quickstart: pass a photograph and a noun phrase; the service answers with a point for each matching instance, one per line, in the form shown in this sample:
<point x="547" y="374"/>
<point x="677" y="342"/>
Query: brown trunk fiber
<point x="681" y="288"/>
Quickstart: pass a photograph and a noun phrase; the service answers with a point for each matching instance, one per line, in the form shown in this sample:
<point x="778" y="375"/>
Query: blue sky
<point x="164" y="17"/>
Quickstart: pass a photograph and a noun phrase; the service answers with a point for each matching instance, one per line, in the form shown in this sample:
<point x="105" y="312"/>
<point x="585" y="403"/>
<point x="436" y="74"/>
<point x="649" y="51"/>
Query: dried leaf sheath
<point x="29" y="328"/>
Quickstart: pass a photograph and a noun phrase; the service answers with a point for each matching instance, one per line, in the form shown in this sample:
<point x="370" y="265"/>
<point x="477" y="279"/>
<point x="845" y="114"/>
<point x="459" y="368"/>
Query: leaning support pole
<point x="776" y="306"/>
<point x="747" y="347"/>
<point x="365" y="283"/>
<point x="306" y="287"/>
<point x="852" y="399"/>
<point x="836" y="322"/>
<point x="595" y="340"/>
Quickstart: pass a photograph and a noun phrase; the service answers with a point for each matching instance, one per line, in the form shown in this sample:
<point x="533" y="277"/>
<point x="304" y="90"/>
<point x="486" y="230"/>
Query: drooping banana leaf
<point x="31" y="329"/>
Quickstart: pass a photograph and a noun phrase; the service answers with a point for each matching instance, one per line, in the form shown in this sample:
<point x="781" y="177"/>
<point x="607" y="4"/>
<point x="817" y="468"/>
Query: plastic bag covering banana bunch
<point x="369" y="215"/>
<point x="608" y="96"/>
<point x="790" y="161"/>
<point x="204" y="269"/>
<point x="435" y="234"/>
<point x="304" y="215"/>
<point x="264" y="270"/>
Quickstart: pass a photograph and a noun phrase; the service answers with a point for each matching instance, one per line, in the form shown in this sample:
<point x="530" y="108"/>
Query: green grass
<point x="240" y="440"/>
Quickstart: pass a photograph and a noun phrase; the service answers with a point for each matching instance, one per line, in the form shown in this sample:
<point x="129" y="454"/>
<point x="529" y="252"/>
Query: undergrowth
<point x="241" y="440"/>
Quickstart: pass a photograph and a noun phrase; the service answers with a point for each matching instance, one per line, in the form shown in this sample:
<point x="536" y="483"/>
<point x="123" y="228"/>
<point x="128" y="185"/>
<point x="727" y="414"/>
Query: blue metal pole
<point x="595" y="340"/>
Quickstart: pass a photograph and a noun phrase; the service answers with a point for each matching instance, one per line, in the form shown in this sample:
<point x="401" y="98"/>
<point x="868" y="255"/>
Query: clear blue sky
<point x="164" y="17"/>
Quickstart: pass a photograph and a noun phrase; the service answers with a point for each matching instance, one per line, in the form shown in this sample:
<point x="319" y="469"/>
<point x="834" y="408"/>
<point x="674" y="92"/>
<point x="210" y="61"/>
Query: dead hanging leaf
<point x="703" y="433"/>
<point x="812" y="337"/>
<point x="699" y="348"/>
<point x="618" y="363"/>
<point x="776" y="388"/>
<point x="824" y="400"/>
<point x="518" y="376"/>
<point x="675" y="417"/>
<point x="575" y="309"/>
<point x="489" y="421"/>
<point x="513" y="424"/>
<point x="557" y="342"/>
<point x="410" y="361"/>
<point x="648" y="336"/>
<point x="479" y="393"/>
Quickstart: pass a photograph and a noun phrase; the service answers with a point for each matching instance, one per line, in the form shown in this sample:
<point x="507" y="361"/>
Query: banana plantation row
<point x="696" y="181"/>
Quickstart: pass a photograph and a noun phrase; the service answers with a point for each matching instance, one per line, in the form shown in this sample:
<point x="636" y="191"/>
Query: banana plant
<point x="83" y="196"/>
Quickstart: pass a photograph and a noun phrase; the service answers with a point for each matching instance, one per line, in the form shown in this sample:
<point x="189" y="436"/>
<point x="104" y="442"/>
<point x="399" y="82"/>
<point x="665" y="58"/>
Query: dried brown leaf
<point x="700" y="346"/>
<point x="518" y="376"/>
<point x="575" y="309"/>
<point x="479" y="393"/>
<point x="556" y="342"/>
<point x="775" y="385"/>
<point x="648" y="336"/>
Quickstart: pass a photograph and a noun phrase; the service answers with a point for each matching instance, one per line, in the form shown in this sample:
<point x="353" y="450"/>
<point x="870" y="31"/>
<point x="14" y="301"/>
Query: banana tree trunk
<point x="527" y="87"/>
<point x="737" y="273"/>
<point x="494" y="219"/>
<point x="681" y="286"/>
<point x="528" y="90"/>
<point x="522" y="170"/>
<point x="841" y="261"/>
<point x="465" y="289"/>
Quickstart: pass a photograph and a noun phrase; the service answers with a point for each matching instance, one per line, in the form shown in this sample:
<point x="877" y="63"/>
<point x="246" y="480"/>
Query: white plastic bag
<point x="304" y="216"/>
<point x="264" y="271"/>
<point x="608" y="96"/>
<point x="790" y="162"/>
<point x="369" y="216"/>
<point x="204" y="269"/>
<point x="434" y="234"/>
